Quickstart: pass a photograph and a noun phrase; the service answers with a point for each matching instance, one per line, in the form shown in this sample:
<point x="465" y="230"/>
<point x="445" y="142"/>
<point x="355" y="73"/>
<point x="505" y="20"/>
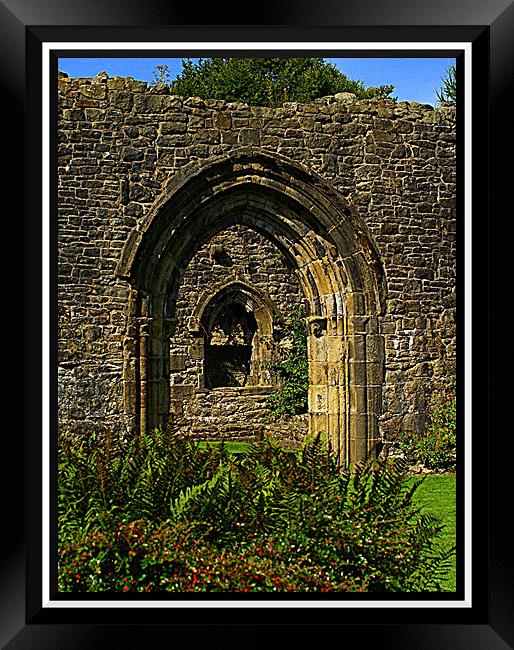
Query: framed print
<point x="273" y="273"/>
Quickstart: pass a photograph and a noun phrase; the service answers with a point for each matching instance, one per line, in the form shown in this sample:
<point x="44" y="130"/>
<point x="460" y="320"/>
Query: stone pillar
<point x="374" y="382"/>
<point x="337" y="387"/>
<point x="158" y="362"/>
<point x="317" y="352"/>
<point x="365" y="375"/>
<point x="143" y="373"/>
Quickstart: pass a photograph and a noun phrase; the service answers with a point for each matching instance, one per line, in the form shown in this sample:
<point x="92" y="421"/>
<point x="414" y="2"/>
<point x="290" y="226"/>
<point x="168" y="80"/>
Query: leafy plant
<point x="292" y="373"/>
<point x="260" y="520"/>
<point x="98" y="480"/>
<point x="448" y="92"/>
<point x="435" y="446"/>
<point x="265" y="81"/>
<point x="161" y="74"/>
<point x="142" y="557"/>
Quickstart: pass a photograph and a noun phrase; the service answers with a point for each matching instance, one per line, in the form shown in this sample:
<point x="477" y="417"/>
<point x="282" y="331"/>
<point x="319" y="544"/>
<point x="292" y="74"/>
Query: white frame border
<point x="47" y="48"/>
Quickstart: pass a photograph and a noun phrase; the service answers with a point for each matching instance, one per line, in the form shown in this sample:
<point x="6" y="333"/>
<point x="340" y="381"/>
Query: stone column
<point x="317" y="352"/>
<point x="143" y="373"/>
<point x="365" y="369"/>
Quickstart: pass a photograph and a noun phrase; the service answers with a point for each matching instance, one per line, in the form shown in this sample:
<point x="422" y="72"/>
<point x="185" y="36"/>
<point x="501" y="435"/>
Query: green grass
<point x="437" y="496"/>
<point x="233" y="447"/>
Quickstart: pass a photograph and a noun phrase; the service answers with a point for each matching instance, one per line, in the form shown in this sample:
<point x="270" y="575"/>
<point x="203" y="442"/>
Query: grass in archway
<point x="232" y="446"/>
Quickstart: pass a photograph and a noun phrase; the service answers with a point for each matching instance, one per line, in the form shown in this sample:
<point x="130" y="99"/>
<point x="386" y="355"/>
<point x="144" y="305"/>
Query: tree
<point x="264" y="81"/>
<point x="448" y="93"/>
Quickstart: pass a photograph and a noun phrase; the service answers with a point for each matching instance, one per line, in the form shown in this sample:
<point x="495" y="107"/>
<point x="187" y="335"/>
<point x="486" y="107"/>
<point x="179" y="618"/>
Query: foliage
<point x="264" y="81"/>
<point x="98" y="481"/>
<point x="448" y="92"/>
<point x="161" y="74"/>
<point x="435" y="446"/>
<point x="139" y="556"/>
<point x="437" y="495"/>
<point x="292" y="373"/>
<point x="261" y="520"/>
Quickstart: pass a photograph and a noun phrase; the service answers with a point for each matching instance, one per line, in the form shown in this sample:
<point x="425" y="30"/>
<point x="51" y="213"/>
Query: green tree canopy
<point x="448" y="92"/>
<point x="264" y="81"/>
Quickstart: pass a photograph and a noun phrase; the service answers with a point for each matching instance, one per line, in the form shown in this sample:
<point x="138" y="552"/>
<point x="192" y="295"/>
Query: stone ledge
<point x="236" y="390"/>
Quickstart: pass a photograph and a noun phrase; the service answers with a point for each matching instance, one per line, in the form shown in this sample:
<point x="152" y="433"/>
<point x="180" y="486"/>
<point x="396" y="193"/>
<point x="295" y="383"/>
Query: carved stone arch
<point x="262" y="310"/>
<point x="262" y="306"/>
<point x="336" y="261"/>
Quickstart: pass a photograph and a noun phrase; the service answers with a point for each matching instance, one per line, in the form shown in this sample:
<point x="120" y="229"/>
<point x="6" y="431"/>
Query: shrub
<point x="263" y="520"/>
<point x="292" y="373"/>
<point x="139" y="556"/>
<point x="263" y="81"/>
<point x="134" y="481"/>
<point x="448" y="92"/>
<point x="435" y="446"/>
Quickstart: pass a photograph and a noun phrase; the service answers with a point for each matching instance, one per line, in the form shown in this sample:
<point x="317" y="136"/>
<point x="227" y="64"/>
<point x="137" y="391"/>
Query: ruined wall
<point x="120" y="142"/>
<point x="248" y="258"/>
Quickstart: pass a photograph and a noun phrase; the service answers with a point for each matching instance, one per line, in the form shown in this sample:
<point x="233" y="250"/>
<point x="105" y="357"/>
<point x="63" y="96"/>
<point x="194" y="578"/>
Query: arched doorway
<point x="337" y="264"/>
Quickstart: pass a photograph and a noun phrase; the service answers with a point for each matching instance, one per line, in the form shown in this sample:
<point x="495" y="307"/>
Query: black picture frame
<point x="489" y="622"/>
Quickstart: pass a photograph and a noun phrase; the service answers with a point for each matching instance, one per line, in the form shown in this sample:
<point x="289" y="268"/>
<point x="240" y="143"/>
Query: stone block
<point x="336" y="374"/>
<point x="358" y="399"/>
<point x="335" y="399"/>
<point x="132" y="154"/>
<point x="150" y="103"/>
<point x="317" y="349"/>
<point x="183" y="392"/>
<point x="336" y="349"/>
<point x="374" y="372"/>
<point x="318" y="373"/>
<point x="356" y="346"/>
<point x="318" y="399"/>
<point x="374" y="347"/>
<point x="357" y="372"/>
<point x="358" y="451"/>
<point x="177" y="362"/>
<point x="318" y="424"/>
<point x="374" y="399"/>
<point x="197" y="351"/>
<point x="74" y="114"/>
<point x="222" y="120"/>
<point x="356" y="324"/>
<point x="249" y="136"/>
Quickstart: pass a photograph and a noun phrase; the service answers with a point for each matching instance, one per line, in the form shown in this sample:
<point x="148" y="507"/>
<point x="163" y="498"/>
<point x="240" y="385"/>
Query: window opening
<point x="229" y="347"/>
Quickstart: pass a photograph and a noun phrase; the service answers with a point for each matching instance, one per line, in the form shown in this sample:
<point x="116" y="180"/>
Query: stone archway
<point x="260" y="309"/>
<point x="336" y="261"/>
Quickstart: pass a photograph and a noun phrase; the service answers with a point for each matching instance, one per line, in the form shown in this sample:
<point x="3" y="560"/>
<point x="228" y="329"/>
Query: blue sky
<point x="414" y="79"/>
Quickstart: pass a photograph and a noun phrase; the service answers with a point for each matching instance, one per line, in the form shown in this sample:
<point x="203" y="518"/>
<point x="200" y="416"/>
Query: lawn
<point x="234" y="447"/>
<point x="437" y="495"/>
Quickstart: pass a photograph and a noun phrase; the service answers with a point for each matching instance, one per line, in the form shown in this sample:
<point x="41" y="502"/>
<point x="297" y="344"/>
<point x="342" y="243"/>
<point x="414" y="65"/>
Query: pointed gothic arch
<point x="255" y="309"/>
<point x="336" y="261"/>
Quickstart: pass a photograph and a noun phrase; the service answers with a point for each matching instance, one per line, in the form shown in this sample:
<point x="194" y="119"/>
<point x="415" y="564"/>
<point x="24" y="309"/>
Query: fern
<point x="190" y="496"/>
<point x="360" y="526"/>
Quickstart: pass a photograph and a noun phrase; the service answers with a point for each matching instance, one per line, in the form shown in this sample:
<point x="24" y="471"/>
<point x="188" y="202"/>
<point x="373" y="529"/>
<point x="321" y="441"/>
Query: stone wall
<point x="120" y="142"/>
<point x="239" y="413"/>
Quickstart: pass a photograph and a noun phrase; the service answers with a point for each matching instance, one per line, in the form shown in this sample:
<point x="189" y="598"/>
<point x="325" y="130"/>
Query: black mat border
<point x="483" y="631"/>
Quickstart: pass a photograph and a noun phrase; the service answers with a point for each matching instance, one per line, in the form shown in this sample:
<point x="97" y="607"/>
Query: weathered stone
<point x="393" y="163"/>
<point x="249" y="137"/>
<point x="131" y="154"/>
